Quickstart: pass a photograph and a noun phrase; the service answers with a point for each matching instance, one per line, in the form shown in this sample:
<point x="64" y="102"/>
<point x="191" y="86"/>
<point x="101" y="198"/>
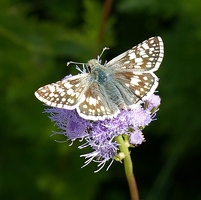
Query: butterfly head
<point x="96" y="62"/>
<point x="93" y="63"/>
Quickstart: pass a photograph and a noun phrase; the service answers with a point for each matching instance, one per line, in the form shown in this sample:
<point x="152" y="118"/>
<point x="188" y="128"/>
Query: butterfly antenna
<point x="77" y="63"/>
<point x="84" y="70"/>
<point x="105" y="48"/>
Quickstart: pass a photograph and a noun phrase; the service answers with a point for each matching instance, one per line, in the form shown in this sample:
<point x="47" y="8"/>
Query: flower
<point x="69" y="122"/>
<point x="136" y="137"/>
<point x="100" y="135"/>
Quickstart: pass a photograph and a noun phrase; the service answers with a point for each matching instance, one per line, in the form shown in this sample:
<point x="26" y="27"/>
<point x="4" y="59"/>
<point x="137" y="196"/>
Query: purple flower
<point x="153" y="102"/>
<point x="100" y="135"/>
<point x="69" y="122"/>
<point x="136" y="137"/>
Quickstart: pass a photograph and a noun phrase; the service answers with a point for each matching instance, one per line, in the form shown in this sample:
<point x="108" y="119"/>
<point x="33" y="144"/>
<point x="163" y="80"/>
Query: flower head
<point x="100" y="135"/>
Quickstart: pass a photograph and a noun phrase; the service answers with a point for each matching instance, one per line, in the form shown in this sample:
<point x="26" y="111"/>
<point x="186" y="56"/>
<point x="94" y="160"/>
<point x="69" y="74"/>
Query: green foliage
<point x="38" y="38"/>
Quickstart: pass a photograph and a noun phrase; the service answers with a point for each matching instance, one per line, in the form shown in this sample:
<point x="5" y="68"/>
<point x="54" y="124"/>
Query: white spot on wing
<point x="51" y="88"/>
<point x="70" y="91"/>
<point x="134" y="81"/>
<point x="132" y="55"/>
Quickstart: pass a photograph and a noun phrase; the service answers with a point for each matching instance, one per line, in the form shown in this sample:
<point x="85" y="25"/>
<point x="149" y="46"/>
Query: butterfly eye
<point x="89" y="68"/>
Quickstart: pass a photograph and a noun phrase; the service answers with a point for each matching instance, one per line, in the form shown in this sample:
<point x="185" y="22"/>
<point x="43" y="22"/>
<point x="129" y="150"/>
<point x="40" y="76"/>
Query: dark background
<point x="37" y="38"/>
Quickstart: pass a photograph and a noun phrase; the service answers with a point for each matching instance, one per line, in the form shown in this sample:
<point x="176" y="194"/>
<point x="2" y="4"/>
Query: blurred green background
<point x="37" y="38"/>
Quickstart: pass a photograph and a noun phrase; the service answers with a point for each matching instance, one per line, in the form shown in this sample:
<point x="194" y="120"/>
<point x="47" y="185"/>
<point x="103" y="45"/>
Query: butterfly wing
<point x="133" y="70"/>
<point x="79" y="92"/>
<point x="134" y="87"/>
<point x="95" y="104"/>
<point x="66" y="93"/>
<point x="146" y="56"/>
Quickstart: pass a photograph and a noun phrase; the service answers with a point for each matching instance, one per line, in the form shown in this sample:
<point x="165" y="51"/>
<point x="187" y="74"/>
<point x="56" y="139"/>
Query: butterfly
<point x="102" y="91"/>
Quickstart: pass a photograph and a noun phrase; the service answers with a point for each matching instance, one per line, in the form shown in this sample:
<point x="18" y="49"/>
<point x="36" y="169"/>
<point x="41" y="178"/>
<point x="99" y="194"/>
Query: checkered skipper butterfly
<point x="105" y="89"/>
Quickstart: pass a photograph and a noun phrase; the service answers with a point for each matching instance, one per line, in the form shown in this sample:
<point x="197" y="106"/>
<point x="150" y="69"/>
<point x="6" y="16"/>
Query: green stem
<point x="124" y="148"/>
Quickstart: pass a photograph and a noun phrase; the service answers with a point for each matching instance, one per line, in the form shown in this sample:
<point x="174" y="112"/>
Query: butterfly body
<point x="103" y="77"/>
<point x="106" y="89"/>
<point x="99" y="73"/>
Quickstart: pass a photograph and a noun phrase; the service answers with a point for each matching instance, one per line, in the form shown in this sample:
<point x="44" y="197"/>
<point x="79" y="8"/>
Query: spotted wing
<point x="134" y="87"/>
<point x="95" y="103"/>
<point x="146" y="56"/>
<point x="66" y="93"/>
